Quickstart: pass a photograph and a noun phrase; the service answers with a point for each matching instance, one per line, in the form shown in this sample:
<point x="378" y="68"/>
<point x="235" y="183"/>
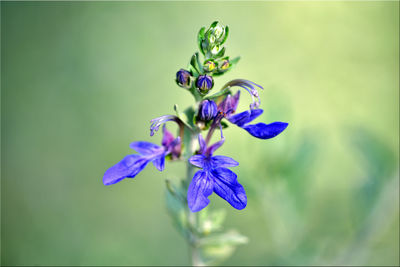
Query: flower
<point x="260" y="130"/>
<point x="207" y="110"/>
<point x="204" y="83"/>
<point x="214" y="176"/>
<point x="131" y="165"/>
<point x="183" y="78"/>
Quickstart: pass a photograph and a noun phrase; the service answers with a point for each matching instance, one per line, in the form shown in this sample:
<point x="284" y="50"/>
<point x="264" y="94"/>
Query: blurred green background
<point x="81" y="80"/>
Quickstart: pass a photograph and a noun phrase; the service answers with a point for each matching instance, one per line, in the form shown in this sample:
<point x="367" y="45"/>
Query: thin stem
<point x="192" y="216"/>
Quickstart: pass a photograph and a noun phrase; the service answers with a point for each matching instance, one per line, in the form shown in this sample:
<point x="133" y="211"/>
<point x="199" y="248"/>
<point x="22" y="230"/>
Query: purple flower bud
<point x="207" y="110"/>
<point x="204" y="83"/>
<point x="183" y="78"/>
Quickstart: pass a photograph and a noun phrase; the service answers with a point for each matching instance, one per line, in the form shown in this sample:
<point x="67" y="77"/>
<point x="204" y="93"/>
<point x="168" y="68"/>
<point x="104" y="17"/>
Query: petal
<point x="197" y="160"/>
<point x="266" y="131"/>
<point x="245" y="117"/>
<point x="227" y="187"/>
<point x="235" y="101"/>
<point x="199" y="189"/>
<point x="145" y="148"/>
<point x="202" y="144"/>
<point x="159" y="162"/>
<point x="211" y="149"/>
<point x="240" y="118"/>
<point x="128" y="167"/>
<point x="223" y="161"/>
<point x="168" y="137"/>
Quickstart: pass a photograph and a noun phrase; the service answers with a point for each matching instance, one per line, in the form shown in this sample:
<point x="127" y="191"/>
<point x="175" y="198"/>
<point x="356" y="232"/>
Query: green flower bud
<point x="211" y="40"/>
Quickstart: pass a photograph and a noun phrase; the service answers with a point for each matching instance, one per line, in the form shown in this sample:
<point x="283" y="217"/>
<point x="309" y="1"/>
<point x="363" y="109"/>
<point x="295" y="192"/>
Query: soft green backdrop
<point x="81" y="80"/>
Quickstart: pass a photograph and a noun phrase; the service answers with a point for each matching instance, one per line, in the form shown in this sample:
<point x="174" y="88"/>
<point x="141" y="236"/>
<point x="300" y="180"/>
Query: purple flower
<point x="260" y="130"/>
<point x="131" y="165"/>
<point x="204" y="83"/>
<point x="207" y="110"/>
<point x="214" y="177"/>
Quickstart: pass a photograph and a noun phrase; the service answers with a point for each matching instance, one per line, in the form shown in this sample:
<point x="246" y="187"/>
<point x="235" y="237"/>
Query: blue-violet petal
<point x="128" y="167"/>
<point x="199" y="189"/>
<point x="266" y="131"/>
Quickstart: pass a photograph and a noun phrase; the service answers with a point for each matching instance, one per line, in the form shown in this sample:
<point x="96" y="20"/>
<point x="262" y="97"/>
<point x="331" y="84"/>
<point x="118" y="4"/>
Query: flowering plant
<point x="208" y="115"/>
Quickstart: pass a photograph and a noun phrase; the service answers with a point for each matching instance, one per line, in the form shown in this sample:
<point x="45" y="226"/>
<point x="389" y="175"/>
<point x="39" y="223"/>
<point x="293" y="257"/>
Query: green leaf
<point x="215" y="23"/>
<point x="211" y="221"/>
<point x="221" y="53"/>
<point x="231" y="237"/>
<point x="226" y="35"/>
<point x="183" y="117"/>
<point x="176" y="207"/>
<point x="234" y="61"/>
<point x="196" y="63"/>
<point x="224" y="124"/>
<point x="200" y="38"/>
<point x="219" y="247"/>
<point x="219" y="93"/>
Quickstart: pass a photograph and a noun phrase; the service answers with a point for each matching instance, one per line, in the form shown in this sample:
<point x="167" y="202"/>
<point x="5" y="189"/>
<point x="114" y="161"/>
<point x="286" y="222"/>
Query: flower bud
<point x="209" y="66"/>
<point x="224" y="65"/>
<point x="207" y="110"/>
<point x="212" y="39"/>
<point x="216" y="33"/>
<point x="183" y="78"/>
<point x="204" y="83"/>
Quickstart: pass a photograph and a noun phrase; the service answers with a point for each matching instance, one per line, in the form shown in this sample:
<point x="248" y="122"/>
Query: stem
<point x="192" y="216"/>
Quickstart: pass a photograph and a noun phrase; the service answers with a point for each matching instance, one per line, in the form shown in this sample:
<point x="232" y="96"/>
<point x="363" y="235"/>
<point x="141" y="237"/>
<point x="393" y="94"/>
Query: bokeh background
<point x="81" y="80"/>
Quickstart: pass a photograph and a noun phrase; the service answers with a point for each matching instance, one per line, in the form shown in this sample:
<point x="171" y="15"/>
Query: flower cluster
<point x="212" y="112"/>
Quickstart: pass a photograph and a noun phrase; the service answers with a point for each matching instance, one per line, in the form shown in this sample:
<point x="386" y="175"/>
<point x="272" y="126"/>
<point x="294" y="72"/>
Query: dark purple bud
<point x="204" y="83"/>
<point x="183" y="78"/>
<point x="207" y="110"/>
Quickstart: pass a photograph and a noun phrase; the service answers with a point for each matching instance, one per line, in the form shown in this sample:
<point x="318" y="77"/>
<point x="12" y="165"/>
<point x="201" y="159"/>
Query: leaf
<point x="195" y="64"/>
<point x="214" y="24"/>
<point x="177" y="208"/>
<point x="224" y="124"/>
<point x="226" y="35"/>
<point x="220" y="53"/>
<point x="211" y="221"/>
<point x="200" y="38"/>
<point x="219" y="247"/>
<point x="219" y="93"/>
<point x="234" y="61"/>
<point x="183" y="117"/>
<point x="231" y="237"/>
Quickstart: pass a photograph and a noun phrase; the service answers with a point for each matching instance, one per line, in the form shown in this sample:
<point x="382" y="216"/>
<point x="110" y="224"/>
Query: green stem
<point x="192" y="216"/>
